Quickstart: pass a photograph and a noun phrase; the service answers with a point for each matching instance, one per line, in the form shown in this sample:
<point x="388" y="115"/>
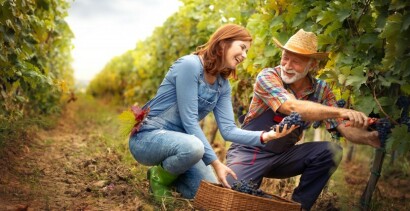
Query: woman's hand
<point x="222" y="172"/>
<point x="276" y="133"/>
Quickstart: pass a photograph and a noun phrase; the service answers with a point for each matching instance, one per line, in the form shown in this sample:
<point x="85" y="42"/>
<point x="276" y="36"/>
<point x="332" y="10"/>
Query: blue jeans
<point x="180" y="154"/>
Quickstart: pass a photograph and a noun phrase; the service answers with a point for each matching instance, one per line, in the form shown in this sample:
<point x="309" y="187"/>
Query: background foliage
<point x="35" y="46"/>
<point x="369" y="64"/>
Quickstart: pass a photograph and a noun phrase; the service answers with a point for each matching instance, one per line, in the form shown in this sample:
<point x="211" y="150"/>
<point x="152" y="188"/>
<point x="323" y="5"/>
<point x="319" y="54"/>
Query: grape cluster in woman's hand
<point x="293" y="119"/>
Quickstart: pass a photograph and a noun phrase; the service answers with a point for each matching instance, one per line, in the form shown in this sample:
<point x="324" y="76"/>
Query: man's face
<point x="294" y="67"/>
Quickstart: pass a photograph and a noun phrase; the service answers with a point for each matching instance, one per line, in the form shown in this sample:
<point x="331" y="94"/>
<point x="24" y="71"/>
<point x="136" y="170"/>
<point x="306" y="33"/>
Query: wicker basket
<point x="215" y="197"/>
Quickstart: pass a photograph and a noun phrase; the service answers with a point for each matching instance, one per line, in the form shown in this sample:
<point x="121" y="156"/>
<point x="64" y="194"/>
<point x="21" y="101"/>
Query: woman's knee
<point x="193" y="148"/>
<point x="198" y="149"/>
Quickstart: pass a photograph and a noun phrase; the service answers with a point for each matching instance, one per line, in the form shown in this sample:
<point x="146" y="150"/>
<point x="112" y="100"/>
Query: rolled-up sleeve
<point x="269" y="88"/>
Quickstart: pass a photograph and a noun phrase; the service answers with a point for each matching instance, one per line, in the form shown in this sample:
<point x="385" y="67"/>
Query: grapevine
<point x="249" y="187"/>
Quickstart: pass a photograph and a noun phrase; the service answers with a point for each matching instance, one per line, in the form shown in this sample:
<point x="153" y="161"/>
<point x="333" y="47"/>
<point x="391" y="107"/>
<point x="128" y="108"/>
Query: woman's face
<point x="236" y="53"/>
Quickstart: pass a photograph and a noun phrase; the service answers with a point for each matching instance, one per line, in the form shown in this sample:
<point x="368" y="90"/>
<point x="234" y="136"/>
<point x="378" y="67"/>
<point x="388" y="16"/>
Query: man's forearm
<point x="310" y="111"/>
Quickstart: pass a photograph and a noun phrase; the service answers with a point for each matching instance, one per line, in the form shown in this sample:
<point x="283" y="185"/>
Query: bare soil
<point x="67" y="168"/>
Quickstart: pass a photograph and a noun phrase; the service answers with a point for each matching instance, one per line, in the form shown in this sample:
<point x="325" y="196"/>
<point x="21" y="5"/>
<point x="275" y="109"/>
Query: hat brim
<point x="319" y="55"/>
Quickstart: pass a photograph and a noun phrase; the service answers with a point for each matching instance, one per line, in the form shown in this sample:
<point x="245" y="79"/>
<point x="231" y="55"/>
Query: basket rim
<point x="285" y="201"/>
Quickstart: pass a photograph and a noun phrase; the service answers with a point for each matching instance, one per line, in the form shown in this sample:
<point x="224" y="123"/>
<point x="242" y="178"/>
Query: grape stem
<point x="381" y="109"/>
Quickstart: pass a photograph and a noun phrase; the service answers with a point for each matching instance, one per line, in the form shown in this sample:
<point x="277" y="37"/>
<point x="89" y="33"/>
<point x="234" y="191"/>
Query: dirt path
<point x="67" y="168"/>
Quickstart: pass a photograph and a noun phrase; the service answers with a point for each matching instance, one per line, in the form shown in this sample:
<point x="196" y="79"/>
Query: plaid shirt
<point x="270" y="91"/>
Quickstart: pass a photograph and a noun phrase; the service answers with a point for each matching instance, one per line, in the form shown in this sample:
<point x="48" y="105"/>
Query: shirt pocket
<point x="207" y="99"/>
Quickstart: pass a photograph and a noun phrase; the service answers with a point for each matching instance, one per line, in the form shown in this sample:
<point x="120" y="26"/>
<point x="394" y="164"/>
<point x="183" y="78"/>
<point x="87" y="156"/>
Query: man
<point x="290" y="88"/>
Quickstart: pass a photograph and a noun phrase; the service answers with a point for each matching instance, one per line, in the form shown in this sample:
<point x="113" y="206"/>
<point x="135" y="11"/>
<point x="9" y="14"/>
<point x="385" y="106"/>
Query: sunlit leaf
<point x="355" y="80"/>
<point x="393" y="26"/>
<point x="405" y="88"/>
<point x="270" y="51"/>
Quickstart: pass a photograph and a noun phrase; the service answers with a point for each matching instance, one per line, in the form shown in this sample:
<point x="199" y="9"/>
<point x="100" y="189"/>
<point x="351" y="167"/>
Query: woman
<point x="170" y="137"/>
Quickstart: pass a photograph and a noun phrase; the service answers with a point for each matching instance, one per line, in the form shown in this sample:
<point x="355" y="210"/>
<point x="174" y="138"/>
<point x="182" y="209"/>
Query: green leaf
<point x="366" y="104"/>
<point x="384" y="82"/>
<point x="355" y="80"/>
<point x="270" y="51"/>
<point x="397" y="5"/>
<point x="299" y="19"/>
<point x="342" y="14"/>
<point x="399" y="139"/>
<point x="342" y="79"/>
<point x="385" y="101"/>
<point x="326" y="39"/>
<point x="358" y="71"/>
<point x="406" y="22"/>
<point x="405" y="88"/>
<point x="326" y="18"/>
<point x="332" y="27"/>
<point x="368" y="38"/>
<point x="392" y="27"/>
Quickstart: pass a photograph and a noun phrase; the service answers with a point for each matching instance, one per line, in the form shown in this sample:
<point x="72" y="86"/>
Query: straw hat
<point x="303" y="43"/>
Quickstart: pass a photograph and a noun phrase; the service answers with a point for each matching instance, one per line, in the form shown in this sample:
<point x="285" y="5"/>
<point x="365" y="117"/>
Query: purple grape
<point x="341" y="103"/>
<point x="403" y="102"/>
<point x="249" y="187"/>
<point x="316" y="124"/>
<point x="383" y="126"/>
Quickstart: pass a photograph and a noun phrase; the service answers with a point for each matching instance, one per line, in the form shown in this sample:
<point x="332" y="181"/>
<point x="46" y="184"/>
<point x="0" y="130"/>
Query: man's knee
<point x="332" y="155"/>
<point x="328" y="153"/>
<point x="337" y="152"/>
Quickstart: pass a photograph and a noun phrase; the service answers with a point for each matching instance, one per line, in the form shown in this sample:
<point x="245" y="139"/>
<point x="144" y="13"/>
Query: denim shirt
<point x="184" y="98"/>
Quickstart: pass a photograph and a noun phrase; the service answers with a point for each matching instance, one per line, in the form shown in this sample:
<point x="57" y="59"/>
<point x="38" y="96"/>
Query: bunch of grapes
<point x="249" y="187"/>
<point x="293" y="119"/>
<point x="383" y="126"/>
<point x="317" y="124"/>
<point x="403" y="102"/>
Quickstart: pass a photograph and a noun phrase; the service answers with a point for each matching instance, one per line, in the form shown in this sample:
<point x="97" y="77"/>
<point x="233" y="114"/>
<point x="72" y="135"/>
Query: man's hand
<point x="373" y="139"/>
<point x="356" y="118"/>
<point x="360" y="135"/>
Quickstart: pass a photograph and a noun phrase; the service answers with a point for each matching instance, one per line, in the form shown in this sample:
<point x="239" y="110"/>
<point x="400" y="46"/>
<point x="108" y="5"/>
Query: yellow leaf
<point x="127" y="122"/>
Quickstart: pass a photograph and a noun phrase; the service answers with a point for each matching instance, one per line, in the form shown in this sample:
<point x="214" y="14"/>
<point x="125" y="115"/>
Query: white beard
<point x="297" y="76"/>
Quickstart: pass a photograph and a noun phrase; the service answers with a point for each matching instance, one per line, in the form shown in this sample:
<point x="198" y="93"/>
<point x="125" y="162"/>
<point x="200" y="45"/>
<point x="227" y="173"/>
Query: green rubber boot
<point x="159" y="181"/>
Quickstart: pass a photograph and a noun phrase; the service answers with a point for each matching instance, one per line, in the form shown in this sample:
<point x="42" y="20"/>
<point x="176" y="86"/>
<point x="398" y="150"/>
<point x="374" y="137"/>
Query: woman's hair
<point x="214" y="50"/>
